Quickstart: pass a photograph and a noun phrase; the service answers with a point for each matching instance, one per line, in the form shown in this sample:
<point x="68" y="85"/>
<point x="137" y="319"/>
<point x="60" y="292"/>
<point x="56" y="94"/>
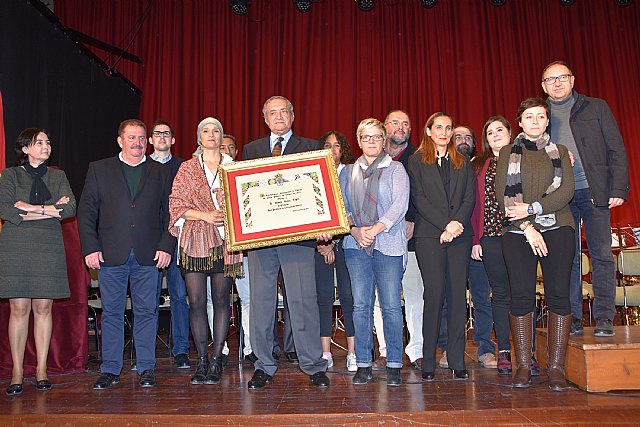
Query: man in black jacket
<point x="123" y="220"/>
<point x="162" y="139"/>
<point x="586" y="126"/>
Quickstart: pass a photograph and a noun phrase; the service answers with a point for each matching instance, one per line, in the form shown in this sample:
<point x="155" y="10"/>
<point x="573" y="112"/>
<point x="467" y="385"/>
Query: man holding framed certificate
<point x="296" y="260"/>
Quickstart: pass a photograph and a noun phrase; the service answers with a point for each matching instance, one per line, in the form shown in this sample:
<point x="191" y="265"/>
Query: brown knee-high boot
<point x="557" y="340"/>
<point x="521" y="330"/>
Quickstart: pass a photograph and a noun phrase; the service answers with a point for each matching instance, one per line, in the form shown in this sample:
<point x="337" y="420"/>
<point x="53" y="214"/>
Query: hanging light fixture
<point x="303" y="5"/>
<point x="240" y="7"/>
<point x="428" y="4"/>
<point x="366" y="5"/>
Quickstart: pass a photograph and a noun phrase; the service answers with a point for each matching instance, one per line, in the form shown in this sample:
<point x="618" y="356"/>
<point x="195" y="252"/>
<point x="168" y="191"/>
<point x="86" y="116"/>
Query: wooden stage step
<point x="600" y="364"/>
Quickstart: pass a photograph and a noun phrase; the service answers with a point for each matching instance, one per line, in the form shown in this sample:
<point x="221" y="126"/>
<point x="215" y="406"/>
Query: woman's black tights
<point x="197" y="291"/>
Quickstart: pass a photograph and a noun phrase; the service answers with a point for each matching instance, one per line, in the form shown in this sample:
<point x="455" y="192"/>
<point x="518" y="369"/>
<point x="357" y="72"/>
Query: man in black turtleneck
<point x="586" y="126"/>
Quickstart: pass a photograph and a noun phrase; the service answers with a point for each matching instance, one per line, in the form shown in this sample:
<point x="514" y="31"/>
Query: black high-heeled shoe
<point x="14" y="390"/>
<point x="43" y="385"/>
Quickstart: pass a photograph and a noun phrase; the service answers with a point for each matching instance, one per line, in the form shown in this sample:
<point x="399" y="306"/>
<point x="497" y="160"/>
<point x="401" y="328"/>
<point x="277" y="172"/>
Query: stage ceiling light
<point x="429" y="3"/>
<point x="567" y="2"/>
<point x="303" y="5"/>
<point x="366" y="5"/>
<point x="623" y="3"/>
<point x="240" y="7"/>
<point x="498" y="2"/>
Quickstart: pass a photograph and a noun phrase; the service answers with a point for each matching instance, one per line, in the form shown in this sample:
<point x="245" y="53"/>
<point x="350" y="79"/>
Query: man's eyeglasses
<point x="551" y="80"/>
<point x="467" y="138"/>
<point x="396" y="123"/>
<point x="161" y="133"/>
<point x="374" y="138"/>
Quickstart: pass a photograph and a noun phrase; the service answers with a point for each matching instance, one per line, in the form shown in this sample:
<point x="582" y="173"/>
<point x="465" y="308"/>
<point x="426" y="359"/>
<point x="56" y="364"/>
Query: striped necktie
<point x="277" y="148"/>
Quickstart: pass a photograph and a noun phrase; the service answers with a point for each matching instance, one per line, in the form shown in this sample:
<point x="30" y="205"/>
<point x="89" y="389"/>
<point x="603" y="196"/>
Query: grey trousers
<point x="298" y="270"/>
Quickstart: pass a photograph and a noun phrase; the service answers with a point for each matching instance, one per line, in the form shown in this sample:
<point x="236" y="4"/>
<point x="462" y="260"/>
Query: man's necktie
<point x="277" y="148"/>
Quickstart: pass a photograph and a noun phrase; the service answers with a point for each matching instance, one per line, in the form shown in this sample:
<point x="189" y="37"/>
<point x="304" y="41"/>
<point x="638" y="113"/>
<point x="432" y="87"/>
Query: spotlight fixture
<point x="623" y="3"/>
<point x="497" y="2"/>
<point x="567" y="2"/>
<point x="428" y="4"/>
<point x="240" y="7"/>
<point x="303" y="5"/>
<point x="366" y="5"/>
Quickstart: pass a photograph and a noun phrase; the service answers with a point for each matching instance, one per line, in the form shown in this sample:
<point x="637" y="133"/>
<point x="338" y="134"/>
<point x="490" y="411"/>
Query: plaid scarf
<point x="364" y="186"/>
<point x="513" y="188"/>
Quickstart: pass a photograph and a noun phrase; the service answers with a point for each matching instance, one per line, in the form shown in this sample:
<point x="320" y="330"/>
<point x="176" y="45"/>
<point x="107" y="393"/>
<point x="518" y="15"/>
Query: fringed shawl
<point x="200" y="244"/>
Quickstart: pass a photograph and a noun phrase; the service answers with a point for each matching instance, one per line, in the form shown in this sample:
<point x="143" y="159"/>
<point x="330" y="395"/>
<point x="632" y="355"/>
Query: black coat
<point x="110" y="220"/>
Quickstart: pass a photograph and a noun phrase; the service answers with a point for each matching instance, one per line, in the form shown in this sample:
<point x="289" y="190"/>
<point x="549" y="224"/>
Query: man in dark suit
<point x="123" y="224"/>
<point x="297" y="264"/>
<point x="162" y="138"/>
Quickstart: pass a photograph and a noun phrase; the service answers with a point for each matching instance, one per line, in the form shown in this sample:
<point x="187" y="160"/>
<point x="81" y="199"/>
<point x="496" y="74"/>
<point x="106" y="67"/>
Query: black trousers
<point x="444" y="270"/>
<point x="500" y="291"/>
<point x="522" y="264"/>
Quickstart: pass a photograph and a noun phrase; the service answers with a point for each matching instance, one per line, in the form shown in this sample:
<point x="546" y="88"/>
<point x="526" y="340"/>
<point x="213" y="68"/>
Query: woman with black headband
<point x="534" y="185"/>
<point x="33" y="272"/>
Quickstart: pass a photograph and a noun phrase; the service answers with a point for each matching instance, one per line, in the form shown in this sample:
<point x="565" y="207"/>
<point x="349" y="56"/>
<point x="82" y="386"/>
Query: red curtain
<point x="339" y="65"/>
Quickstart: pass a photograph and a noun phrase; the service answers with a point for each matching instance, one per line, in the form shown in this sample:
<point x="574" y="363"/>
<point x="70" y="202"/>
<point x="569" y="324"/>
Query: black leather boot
<point x="201" y="370"/>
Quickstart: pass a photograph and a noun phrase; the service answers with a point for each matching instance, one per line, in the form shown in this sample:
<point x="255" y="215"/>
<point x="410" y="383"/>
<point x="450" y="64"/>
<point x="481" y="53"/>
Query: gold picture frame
<point x="279" y="200"/>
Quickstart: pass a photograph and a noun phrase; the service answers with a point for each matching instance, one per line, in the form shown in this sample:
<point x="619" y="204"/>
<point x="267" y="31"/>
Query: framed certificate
<point x="284" y="199"/>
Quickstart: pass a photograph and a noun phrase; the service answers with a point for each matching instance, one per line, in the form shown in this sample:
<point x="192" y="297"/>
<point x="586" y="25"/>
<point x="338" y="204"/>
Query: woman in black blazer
<point x="443" y="192"/>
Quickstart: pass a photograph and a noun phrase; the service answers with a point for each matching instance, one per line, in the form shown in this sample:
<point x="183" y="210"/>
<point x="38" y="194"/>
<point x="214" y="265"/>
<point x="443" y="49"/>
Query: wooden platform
<point x="600" y="364"/>
<point x="290" y="400"/>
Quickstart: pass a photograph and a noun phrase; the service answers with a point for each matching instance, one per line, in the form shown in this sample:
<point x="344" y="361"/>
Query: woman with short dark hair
<point x="534" y="185"/>
<point x="33" y="200"/>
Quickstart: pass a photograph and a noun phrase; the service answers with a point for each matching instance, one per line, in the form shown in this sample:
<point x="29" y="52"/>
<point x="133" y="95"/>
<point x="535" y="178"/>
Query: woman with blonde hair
<point x="376" y="195"/>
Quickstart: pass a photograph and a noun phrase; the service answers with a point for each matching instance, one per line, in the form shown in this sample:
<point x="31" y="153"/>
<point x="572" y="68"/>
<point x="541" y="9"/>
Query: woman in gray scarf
<point x="376" y="194"/>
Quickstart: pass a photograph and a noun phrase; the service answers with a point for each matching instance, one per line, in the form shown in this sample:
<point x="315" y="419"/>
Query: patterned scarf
<point x="200" y="243"/>
<point x="364" y="186"/>
<point x="513" y="188"/>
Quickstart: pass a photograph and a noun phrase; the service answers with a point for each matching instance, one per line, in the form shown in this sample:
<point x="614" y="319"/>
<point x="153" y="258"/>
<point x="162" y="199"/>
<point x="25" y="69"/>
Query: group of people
<point x="424" y="222"/>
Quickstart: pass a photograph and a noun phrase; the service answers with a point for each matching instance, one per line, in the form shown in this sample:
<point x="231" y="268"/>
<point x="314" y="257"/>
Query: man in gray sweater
<point x="586" y="126"/>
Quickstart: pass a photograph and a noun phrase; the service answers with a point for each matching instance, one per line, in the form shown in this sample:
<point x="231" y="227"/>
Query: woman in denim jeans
<point x="376" y="195"/>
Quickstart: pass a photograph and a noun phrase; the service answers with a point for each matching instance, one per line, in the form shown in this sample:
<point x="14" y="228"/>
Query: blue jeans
<point x="482" y="313"/>
<point x="367" y="273"/>
<point x="144" y="291"/>
<point x="179" y="307"/>
<point x="597" y="227"/>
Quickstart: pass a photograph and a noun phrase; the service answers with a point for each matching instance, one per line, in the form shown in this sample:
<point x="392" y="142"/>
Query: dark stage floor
<point x="486" y="399"/>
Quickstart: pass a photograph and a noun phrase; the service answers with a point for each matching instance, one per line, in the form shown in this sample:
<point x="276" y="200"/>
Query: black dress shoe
<point x="276" y="356"/>
<point x="43" y="385"/>
<point x="429" y="376"/>
<point x="251" y="358"/>
<point x="14" y="390"/>
<point x="320" y="379"/>
<point x="148" y="378"/>
<point x="292" y="357"/>
<point x="105" y="381"/>
<point x="362" y="376"/>
<point x="394" y="377"/>
<point x="417" y="364"/>
<point x="461" y="374"/>
<point x="259" y="379"/>
<point x="182" y="361"/>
